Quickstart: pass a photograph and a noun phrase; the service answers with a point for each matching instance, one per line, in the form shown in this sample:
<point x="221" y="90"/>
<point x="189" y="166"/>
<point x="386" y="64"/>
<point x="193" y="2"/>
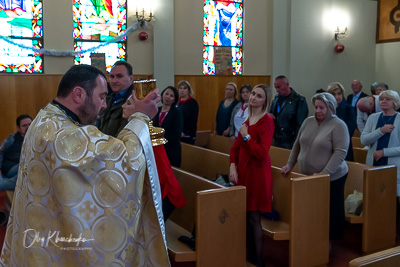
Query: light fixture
<point x="341" y="33"/>
<point x="144" y="11"/>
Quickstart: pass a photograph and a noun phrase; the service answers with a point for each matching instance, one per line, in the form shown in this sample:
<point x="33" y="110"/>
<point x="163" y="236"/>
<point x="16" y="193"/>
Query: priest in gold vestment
<point x="84" y="198"/>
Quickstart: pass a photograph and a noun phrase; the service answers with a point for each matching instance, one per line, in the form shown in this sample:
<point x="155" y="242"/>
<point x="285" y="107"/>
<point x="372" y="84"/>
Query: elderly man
<point x="121" y="83"/>
<point x="84" y="198"/>
<point x="357" y="94"/>
<point x="365" y="107"/>
<point x="10" y="152"/>
<point x="290" y="110"/>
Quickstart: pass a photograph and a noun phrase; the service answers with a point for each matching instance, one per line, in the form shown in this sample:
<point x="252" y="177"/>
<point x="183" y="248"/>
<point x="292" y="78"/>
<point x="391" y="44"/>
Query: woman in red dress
<point x="251" y="167"/>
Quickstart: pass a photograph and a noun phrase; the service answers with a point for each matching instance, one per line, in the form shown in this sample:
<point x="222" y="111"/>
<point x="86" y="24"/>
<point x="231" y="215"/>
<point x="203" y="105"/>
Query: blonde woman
<point x="251" y="167"/>
<point x="382" y="135"/>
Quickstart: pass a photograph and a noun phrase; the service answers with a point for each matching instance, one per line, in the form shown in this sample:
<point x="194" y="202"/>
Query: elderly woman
<point x="345" y="112"/>
<point x="321" y="147"/>
<point x="382" y="134"/>
<point x="377" y="88"/>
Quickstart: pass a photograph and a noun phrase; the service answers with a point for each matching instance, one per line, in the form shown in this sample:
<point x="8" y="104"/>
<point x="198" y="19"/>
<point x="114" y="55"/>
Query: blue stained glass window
<point x="223" y="37"/>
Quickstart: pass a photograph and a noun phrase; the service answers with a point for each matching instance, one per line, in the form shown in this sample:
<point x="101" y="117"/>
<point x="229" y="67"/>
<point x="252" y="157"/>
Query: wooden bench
<point x="355" y="140"/>
<point x="360" y="155"/>
<point x="219" y="215"/>
<point x="214" y="142"/>
<point x="204" y="162"/>
<point x="387" y="258"/>
<point x="202" y="137"/>
<point x="300" y="200"/>
<point x="378" y="185"/>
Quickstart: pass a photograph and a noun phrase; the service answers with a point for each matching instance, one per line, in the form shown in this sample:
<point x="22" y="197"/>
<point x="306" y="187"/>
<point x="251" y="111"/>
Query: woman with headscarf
<point x="320" y="148"/>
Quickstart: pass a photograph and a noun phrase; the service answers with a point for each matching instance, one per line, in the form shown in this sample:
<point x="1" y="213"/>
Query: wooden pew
<point x="219" y="215"/>
<point x="204" y="162"/>
<point x="202" y="137"/>
<point x="387" y="258"/>
<point x="360" y="155"/>
<point x="300" y="200"/>
<point x="378" y="185"/>
<point x="279" y="157"/>
<point x="379" y="190"/>
<point x="355" y="140"/>
<point x="378" y="223"/>
<point x="214" y="142"/>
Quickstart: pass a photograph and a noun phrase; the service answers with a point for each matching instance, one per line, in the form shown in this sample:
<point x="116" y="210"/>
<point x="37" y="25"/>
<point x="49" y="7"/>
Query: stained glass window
<point x="21" y="26"/>
<point x="96" y="22"/>
<point x="223" y="37"/>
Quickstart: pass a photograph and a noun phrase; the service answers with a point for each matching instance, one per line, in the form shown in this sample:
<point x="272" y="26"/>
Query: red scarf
<point x="244" y="107"/>
<point x="184" y="101"/>
<point x="162" y="117"/>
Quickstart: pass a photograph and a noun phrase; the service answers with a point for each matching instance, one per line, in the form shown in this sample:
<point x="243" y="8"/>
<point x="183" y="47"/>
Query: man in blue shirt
<point x="357" y="94"/>
<point x="10" y="152"/>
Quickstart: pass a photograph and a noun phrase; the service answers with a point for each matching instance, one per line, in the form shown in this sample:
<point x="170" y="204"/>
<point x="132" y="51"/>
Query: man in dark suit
<point x="357" y="94"/>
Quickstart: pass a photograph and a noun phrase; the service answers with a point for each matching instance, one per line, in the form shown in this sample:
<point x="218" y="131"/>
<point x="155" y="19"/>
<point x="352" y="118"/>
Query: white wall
<point x="387" y="64"/>
<point x="312" y="62"/>
<point x="189" y="37"/>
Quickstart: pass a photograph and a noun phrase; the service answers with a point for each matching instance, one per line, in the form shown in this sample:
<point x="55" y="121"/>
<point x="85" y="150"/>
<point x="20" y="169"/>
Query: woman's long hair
<point x="268" y="99"/>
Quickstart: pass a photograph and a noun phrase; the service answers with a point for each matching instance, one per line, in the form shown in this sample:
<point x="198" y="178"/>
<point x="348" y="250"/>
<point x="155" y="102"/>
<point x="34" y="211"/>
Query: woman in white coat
<point x="382" y="135"/>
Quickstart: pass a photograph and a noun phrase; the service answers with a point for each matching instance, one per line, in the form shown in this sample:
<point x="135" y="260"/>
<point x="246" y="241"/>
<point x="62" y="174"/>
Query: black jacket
<point x="111" y="121"/>
<point x="173" y="126"/>
<point x="288" y="121"/>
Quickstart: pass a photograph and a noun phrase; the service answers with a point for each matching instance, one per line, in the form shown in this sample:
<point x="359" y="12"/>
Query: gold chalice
<point x="142" y="88"/>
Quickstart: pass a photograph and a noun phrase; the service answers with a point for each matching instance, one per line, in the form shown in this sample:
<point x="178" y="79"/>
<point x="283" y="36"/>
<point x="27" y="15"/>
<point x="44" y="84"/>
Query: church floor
<point x="277" y="252"/>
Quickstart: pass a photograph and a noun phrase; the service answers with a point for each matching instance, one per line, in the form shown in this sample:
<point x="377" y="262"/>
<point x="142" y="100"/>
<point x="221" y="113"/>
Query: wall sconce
<point x="341" y="34"/>
<point x="144" y="11"/>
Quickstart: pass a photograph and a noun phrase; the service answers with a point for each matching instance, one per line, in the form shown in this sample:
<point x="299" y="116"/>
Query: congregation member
<point x="190" y="111"/>
<point x="170" y="118"/>
<point x="345" y="112"/>
<point x="10" y="151"/>
<point x="171" y="192"/>
<point x="240" y="112"/>
<point x="121" y="83"/>
<point x="77" y="182"/>
<point x="365" y="107"/>
<point x="251" y="167"/>
<point x="225" y="108"/>
<point x="321" y="148"/>
<point x="378" y="87"/>
<point x="289" y="110"/>
<point x="382" y="135"/>
<point x="352" y="99"/>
